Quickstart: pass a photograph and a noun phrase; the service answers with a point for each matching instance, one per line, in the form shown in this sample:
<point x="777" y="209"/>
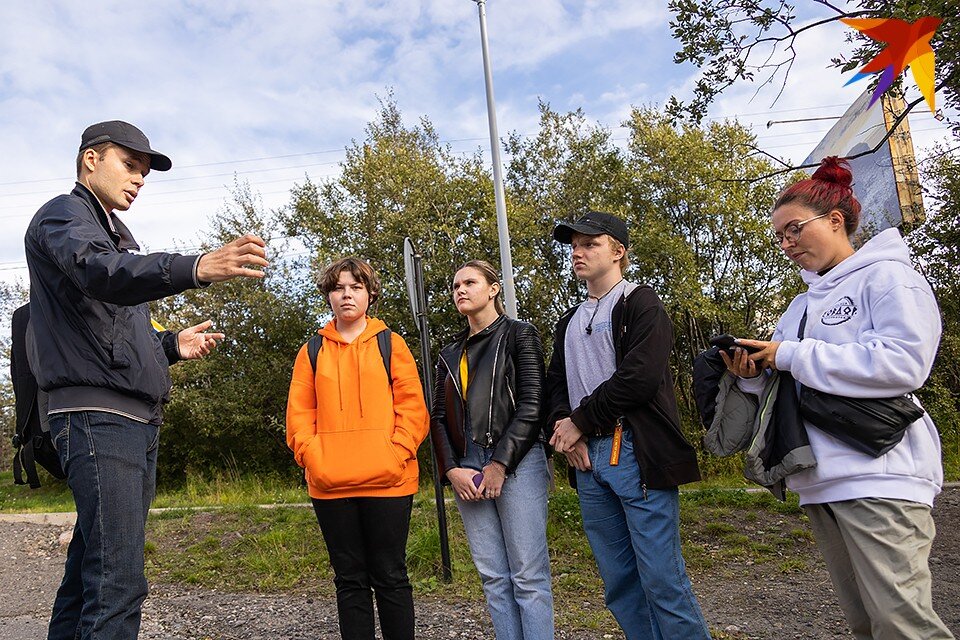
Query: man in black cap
<point x="94" y="351"/>
<point x="611" y="403"/>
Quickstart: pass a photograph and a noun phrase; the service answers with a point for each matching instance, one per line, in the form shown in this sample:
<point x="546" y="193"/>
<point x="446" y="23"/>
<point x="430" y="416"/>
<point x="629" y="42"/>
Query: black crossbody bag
<point x="871" y="425"/>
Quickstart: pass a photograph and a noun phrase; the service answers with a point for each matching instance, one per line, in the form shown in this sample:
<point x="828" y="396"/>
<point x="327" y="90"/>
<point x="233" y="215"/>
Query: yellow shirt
<point x="463" y="373"/>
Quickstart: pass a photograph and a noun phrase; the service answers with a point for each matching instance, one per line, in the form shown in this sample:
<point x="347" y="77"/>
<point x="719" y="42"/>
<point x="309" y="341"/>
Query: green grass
<point x="220" y="490"/>
<point x="281" y="551"/>
<point x="728" y="528"/>
<point x="231" y="489"/>
<point x="211" y="534"/>
<point x="52" y="496"/>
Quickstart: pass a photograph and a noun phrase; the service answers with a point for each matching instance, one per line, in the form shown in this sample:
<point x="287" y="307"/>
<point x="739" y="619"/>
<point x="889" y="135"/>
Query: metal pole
<point x="423" y="323"/>
<point x="503" y="232"/>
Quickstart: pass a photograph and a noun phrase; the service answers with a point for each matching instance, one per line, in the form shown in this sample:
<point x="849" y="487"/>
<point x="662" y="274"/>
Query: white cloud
<point x="217" y="83"/>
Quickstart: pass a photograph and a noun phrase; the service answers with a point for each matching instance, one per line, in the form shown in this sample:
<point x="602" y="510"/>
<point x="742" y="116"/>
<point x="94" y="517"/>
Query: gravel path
<point x="747" y="601"/>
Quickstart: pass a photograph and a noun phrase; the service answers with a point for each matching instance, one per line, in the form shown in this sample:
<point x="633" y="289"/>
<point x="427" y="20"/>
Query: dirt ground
<point x="744" y="600"/>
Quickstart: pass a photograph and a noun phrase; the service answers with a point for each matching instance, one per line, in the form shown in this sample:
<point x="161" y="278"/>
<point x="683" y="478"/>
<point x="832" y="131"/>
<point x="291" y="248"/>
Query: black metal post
<point x="424" y="326"/>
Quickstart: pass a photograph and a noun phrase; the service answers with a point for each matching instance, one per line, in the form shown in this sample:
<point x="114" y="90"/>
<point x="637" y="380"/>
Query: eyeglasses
<point x="792" y="231"/>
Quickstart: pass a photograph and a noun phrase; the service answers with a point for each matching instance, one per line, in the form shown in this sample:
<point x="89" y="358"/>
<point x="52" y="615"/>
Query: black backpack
<point x="315" y="343"/>
<point x="31" y="440"/>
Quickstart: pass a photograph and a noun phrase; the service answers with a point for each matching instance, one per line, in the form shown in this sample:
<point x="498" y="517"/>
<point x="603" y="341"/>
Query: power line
<point x="736" y="116"/>
<point x="228" y="162"/>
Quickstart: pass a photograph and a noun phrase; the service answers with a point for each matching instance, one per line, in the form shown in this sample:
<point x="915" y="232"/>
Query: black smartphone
<point x="728" y="342"/>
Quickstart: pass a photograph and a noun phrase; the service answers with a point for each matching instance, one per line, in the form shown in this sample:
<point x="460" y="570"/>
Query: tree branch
<point x="793" y="33"/>
<point x="893" y="128"/>
<point x="769" y="155"/>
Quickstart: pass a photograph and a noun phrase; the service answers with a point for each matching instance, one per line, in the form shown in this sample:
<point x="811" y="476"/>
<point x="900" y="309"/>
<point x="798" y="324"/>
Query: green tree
<point x="401" y="182"/>
<point x="698" y="232"/>
<point x="699" y="235"/>
<point x="227" y="410"/>
<point x="569" y="166"/>
<point x="398" y="182"/>
<point x="936" y="246"/>
<point x="11" y="297"/>
<point x="703" y="233"/>
<point x="753" y="41"/>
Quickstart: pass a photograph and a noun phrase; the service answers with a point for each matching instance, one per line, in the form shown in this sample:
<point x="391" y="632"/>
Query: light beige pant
<point x="876" y="551"/>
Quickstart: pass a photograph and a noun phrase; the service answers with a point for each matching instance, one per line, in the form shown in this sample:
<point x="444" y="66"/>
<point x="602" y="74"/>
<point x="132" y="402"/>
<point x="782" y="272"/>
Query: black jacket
<point x="505" y="368"/>
<point x="768" y="428"/>
<point x="640" y="393"/>
<point x="91" y="342"/>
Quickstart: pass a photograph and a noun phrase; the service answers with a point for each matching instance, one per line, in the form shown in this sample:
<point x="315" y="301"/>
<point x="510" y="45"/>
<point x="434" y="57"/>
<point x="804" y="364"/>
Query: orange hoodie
<point x="344" y="428"/>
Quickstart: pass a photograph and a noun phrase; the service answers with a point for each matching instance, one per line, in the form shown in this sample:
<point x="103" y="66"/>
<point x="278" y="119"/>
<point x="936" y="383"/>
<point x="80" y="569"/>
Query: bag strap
<point x="803" y="324"/>
<point x="384" y="343"/>
<point x="24" y="460"/>
<point x="313" y="348"/>
<point x="23" y="444"/>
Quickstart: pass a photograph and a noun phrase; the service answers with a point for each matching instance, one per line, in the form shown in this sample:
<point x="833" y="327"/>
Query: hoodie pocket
<point x="339" y="460"/>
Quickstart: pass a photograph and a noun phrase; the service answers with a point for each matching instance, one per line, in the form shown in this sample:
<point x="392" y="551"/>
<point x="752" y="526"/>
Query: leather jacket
<point x="506" y="372"/>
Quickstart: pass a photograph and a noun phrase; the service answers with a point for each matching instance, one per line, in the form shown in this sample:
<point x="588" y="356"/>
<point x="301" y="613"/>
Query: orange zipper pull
<point x="615" y="448"/>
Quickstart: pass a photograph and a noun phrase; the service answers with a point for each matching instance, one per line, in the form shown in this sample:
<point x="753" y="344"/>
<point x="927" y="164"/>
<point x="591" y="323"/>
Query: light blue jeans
<point x="508" y="542"/>
<point x="635" y="538"/>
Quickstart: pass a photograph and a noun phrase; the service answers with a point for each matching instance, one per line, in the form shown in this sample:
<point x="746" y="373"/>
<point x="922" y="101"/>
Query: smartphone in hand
<point x="477" y="479"/>
<point x="728" y="343"/>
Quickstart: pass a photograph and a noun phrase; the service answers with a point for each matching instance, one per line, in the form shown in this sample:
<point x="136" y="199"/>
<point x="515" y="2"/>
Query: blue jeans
<point x="111" y="464"/>
<point x="508" y="542"/>
<point x="635" y="537"/>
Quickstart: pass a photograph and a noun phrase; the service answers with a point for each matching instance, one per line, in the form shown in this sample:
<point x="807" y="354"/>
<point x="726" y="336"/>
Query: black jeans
<point x="366" y="539"/>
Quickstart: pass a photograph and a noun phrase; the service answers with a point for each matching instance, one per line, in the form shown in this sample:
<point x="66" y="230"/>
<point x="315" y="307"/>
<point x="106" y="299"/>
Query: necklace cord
<point x="589" y="328"/>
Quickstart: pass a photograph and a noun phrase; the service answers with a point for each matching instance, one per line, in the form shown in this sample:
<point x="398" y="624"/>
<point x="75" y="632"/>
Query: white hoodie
<point x="872" y="331"/>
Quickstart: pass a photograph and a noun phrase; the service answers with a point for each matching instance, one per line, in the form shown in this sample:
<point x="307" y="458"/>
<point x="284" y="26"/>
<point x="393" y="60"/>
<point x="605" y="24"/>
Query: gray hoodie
<point x="872" y="331"/>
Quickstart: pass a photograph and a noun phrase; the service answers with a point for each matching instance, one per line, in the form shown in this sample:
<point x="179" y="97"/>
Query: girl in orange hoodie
<point x="356" y="434"/>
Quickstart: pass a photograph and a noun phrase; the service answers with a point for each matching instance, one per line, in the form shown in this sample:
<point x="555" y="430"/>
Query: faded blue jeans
<point x="508" y="542"/>
<point x="635" y="537"/>
<point x="111" y="464"/>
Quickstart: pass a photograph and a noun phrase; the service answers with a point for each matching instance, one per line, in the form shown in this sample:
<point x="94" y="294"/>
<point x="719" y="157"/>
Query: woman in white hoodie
<point x="867" y="327"/>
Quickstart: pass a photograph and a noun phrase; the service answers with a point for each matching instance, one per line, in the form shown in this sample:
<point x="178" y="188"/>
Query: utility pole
<point x="503" y="232"/>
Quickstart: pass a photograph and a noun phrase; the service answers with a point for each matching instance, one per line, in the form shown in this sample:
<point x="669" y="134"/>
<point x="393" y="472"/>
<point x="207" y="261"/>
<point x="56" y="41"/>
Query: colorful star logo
<point x="908" y="43"/>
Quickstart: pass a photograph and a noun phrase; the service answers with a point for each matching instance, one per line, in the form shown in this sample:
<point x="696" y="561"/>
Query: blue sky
<point x="233" y="86"/>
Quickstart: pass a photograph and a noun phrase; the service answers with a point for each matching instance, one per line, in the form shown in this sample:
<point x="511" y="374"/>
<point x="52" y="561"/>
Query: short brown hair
<point x="490" y="275"/>
<point x="101" y="149"/>
<point x="359" y="269"/>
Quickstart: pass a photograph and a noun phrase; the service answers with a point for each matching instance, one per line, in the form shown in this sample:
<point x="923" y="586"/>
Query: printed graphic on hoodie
<point x="840" y="312"/>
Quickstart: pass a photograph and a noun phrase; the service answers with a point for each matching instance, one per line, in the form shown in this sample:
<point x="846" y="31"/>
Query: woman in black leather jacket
<point x="486" y="430"/>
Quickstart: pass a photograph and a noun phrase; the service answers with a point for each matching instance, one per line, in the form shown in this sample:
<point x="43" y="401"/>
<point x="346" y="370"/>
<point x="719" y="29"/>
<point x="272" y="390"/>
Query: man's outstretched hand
<point x="234" y="259"/>
<point x="194" y="343"/>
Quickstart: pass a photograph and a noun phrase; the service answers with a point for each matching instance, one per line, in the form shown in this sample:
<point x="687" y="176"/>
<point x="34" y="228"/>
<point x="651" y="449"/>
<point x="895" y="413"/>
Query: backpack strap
<point x="25" y="393"/>
<point x="26" y="461"/>
<point x="384" y="342"/>
<point x="314" y="344"/>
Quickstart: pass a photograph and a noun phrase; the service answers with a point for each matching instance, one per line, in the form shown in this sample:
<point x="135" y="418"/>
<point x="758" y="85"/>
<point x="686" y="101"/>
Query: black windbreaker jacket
<point x="640" y="393"/>
<point x="91" y="342"/>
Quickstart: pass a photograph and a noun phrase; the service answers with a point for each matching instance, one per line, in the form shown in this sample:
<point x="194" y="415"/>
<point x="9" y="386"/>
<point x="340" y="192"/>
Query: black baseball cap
<point x="593" y="223"/>
<point x="125" y="135"/>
